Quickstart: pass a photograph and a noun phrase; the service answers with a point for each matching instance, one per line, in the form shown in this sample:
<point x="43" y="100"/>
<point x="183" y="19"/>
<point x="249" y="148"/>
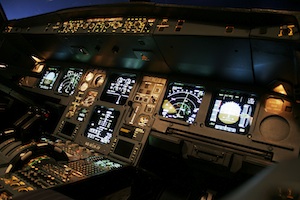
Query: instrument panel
<point x="111" y="116"/>
<point x="114" y="112"/>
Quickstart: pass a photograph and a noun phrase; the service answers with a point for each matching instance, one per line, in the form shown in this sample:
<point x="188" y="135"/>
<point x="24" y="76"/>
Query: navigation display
<point x="101" y="125"/>
<point x="182" y="102"/>
<point x="69" y="81"/>
<point x="118" y="88"/>
<point x="232" y="111"/>
<point x="49" y="77"/>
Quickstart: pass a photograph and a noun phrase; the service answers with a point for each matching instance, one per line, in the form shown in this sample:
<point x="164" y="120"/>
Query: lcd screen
<point x="68" y="128"/>
<point x="102" y="123"/>
<point x="182" y="102"/>
<point x="232" y="111"/>
<point x="69" y="81"/>
<point x="118" y="88"/>
<point x="124" y="148"/>
<point x="49" y="77"/>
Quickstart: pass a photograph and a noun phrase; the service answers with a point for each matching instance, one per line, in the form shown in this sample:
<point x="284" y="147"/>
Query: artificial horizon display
<point x="49" y="77"/>
<point x="232" y="111"/>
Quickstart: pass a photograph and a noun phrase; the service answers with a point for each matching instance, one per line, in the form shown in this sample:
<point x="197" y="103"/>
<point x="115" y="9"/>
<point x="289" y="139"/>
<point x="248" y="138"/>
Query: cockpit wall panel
<point x="218" y="58"/>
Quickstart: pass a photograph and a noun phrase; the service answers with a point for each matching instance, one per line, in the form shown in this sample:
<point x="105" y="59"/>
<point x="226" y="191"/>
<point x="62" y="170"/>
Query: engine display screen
<point x="232" y="111"/>
<point x="102" y="123"/>
<point x="118" y="88"/>
<point x="49" y="77"/>
<point x="69" y="81"/>
<point x="182" y="102"/>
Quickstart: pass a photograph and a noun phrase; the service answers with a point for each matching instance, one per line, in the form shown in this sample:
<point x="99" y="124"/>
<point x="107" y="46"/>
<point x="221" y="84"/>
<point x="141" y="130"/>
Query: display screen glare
<point x="182" y="102"/>
<point x="102" y="123"/>
<point x="49" y="77"/>
<point x="232" y="112"/>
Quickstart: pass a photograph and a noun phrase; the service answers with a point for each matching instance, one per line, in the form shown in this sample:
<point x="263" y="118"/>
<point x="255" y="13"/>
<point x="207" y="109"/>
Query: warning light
<point x="280" y="89"/>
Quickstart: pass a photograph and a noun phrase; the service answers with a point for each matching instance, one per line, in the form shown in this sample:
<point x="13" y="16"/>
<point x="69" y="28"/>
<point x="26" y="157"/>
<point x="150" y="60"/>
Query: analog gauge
<point x="69" y="81"/>
<point x="182" y="102"/>
<point x="98" y="80"/>
<point x="89" y="76"/>
<point x="84" y="86"/>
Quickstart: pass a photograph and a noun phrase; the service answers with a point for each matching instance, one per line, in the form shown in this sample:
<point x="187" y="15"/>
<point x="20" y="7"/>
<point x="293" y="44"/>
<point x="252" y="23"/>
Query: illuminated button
<point x="274" y="105"/>
<point x="89" y="76"/>
<point x="84" y="86"/>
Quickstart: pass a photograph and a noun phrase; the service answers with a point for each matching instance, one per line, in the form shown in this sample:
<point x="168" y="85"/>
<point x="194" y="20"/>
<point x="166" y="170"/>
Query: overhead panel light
<point x="38" y="65"/>
<point x="37" y="59"/>
<point x="3" y="66"/>
<point x="280" y="89"/>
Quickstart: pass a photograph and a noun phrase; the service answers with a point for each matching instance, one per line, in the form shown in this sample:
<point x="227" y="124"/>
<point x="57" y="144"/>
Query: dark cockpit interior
<point x="158" y="100"/>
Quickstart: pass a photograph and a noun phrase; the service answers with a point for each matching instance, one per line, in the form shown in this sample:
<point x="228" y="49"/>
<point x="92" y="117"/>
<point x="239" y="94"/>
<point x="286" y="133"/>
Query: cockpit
<point x="149" y="100"/>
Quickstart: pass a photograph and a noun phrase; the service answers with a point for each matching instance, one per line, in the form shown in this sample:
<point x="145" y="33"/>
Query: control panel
<point x="131" y="24"/>
<point x="45" y="172"/>
<point x="157" y="26"/>
<point x="111" y="114"/>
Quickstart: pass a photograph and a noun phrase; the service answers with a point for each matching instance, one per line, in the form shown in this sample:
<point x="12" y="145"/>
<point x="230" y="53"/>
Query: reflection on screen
<point x="118" y="88"/>
<point x="182" y="102"/>
<point x="124" y="148"/>
<point x="102" y="123"/>
<point x="232" y="112"/>
<point x="49" y="78"/>
<point x="69" y="81"/>
<point x="68" y="128"/>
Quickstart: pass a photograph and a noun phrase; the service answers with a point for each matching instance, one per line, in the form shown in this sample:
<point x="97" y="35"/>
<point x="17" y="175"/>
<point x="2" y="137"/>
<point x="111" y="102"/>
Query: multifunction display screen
<point x="102" y="123"/>
<point x="68" y="128"/>
<point x="232" y="111"/>
<point x="49" y="77"/>
<point x="69" y="81"/>
<point x="118" y="88"/>
<point x="182" y="102"/>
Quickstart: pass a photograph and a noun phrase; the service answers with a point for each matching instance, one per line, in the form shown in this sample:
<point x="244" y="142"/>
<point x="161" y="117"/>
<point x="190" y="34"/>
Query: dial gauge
<point x="89" y="76"/>
<point x="182" y="102"/>
<point x="98" y="80"/>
